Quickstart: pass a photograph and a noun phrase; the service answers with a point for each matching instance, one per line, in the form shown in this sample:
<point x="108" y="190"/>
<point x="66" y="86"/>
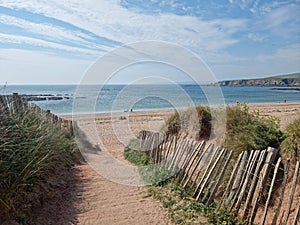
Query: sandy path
<point x="105" y="201"/>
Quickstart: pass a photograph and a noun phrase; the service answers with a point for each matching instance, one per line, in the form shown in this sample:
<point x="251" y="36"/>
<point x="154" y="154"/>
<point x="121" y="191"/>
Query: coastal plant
<point x="247" y="131"/>
<point x="195" y="122"/>
<point x="31" y="148"/>
<point x="134" y="154"/>
<point x="182" y="207"/>
<point x="291" y="145"/>
<point x="151" y="173"/>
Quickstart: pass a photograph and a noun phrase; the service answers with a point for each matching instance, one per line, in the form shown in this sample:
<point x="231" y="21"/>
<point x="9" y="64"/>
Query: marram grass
<point x="31" y="148"/>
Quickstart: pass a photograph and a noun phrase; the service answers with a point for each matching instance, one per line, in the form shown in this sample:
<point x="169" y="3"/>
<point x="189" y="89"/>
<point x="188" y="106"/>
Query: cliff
<point x="290" y="80"/>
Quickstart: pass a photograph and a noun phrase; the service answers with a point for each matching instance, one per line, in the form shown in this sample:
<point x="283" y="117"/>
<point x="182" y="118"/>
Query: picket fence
<point x="11" y="104"/>
<point x="203" y="170"/>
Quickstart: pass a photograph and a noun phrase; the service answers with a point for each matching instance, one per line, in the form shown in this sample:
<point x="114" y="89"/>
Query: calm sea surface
<point x="93" y="98"/>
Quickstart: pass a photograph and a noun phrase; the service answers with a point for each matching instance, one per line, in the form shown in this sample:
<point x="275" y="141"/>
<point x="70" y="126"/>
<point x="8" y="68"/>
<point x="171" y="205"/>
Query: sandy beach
<point x="107" y="202"/>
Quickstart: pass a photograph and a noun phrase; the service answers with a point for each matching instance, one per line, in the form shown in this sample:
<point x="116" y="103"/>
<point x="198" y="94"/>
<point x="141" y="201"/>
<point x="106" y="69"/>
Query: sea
<point x="81" y="99"/>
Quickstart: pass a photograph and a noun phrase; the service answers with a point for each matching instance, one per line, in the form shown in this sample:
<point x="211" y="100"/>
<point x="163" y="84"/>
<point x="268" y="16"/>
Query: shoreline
<point x="166" y="110"/>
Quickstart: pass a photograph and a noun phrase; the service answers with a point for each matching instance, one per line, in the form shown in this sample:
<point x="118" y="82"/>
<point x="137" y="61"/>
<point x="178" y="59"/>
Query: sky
<point x="56" y="41"/>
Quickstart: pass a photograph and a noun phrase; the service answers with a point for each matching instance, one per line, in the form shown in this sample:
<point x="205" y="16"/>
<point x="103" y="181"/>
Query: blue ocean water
<point x="93" y="98"/>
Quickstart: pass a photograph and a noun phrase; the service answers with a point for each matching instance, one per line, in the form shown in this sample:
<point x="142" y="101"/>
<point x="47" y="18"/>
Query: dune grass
<point x="247" y="131"/>
<point x="291" y="145"/>
<point x="244" y="130"/>
<point x="31" y="148"/>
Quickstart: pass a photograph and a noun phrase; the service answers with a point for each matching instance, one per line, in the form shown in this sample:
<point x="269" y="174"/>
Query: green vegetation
<point x="291" y="145"/>
<point x="182" y="208"/>
<point x="135" y="155"/>
<point x="201" y="125"/>
<point x="31" y="149"/>
<point x="287" y="76"/>
<point x="247" y="131"/>
<point x="244" y="130"/>
<point x="280" y="80"/>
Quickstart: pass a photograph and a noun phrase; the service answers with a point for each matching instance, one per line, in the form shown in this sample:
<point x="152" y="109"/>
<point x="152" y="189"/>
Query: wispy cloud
<point x="21" y="40"/>
<point x="114" y="22"/>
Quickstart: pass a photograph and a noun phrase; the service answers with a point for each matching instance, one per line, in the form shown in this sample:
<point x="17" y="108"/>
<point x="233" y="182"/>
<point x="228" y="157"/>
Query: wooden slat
<point x="237" y="180"/>
<point x="272" y="152"/>
<point x="198" y="152"/>
<point x="208" y="149"/>
<point x="253" y="183"/>
<point x="230" y="180"/>
<point x="207" y="174"/>
<point x="292" y="192"/>
<point x="215" y="188"/>
<point x="270" y="191"/>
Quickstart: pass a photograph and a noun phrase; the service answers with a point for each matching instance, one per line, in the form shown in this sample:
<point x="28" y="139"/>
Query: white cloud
<point x="53" y="33"/>
<point x="109" y="19"/>
<point x="16" y="39"/>
<point x="283" y="21"/>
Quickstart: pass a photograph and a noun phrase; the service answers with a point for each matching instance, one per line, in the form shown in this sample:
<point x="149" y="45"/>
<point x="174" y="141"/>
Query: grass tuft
<point x="31" y="148"/>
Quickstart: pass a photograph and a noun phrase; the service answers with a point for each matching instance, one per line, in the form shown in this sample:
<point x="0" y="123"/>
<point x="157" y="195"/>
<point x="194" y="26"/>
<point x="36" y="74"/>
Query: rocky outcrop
<point x="286" y="82"/>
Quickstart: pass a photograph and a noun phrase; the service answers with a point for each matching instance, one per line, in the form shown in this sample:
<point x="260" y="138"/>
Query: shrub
<point x="135" y="155"/>
<point x="291" y="145"/>
<point x="246" y="131"/>
<point x="199" y="127"/>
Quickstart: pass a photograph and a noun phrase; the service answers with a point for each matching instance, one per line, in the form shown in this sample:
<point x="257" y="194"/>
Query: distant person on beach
<point x="284" y="100"/>
<point x="131" y="110"/>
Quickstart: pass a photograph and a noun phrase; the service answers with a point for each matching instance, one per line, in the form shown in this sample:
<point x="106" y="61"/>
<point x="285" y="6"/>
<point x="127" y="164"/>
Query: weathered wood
<point x="286" y="171"/>
<point x="203" y="164"/>
<point x="179" y="151"/>
<point x="216" y="173"/>
<point x="270" y="191"/>
<point x="203" y="184"/>
<point x="198" y="152"/>
<point x="245" y="172"/>
<point x="292" y="192"/>
<point x="175" y="153"/>
<point x="223" y="151"/>
<point x="237" y="180"/>
<point x="272" y="152"/>
<point x="230" y="180"/>
<point x="209" y="148"/>
<point x="190" y="153"/>
<point x="297" y="215"/>
<point x="184" y="150"/>
<point x="248" y="175"/>
<point x="215" y="188"/>
<point x="253" y="183"/>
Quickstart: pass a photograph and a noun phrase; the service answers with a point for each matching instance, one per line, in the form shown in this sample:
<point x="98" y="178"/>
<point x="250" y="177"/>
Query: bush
<point x="246" y="131"/>
<point x="199" y="128"/>
<point x="135" y="155"/>
<point x="30" y="149"/>
<point x="291" y="145"/>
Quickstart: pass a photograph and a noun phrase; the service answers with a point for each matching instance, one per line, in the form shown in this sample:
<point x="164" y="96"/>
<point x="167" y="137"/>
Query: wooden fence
<point x="250" y="180"/>
<point x="11" y="104"/>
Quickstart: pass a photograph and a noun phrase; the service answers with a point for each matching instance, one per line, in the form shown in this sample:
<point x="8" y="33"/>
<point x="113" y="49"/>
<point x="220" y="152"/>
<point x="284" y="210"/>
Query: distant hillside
<point x="288" y="80"/>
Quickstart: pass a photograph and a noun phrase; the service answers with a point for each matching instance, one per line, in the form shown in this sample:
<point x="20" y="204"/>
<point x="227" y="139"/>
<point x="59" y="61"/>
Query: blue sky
<point x="55" y="41"/>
